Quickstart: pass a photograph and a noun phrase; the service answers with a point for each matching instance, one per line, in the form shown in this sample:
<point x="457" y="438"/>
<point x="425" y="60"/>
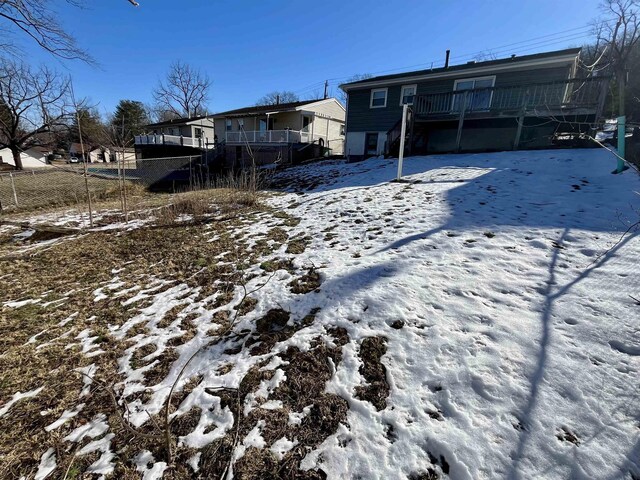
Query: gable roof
<point x="567" y="55"/>
<point x="277" y="108"/>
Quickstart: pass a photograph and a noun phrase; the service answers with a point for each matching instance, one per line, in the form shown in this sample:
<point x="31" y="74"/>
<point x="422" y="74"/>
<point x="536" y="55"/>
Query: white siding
<point x="30" y="158"/>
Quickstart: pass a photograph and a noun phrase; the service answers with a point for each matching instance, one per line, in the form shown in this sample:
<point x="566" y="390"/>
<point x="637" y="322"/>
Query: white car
<point x="74" y="160"/>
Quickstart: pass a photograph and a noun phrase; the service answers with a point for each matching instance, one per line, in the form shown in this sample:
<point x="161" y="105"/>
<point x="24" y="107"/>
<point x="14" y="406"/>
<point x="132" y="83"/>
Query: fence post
<point x="13" y="188"/>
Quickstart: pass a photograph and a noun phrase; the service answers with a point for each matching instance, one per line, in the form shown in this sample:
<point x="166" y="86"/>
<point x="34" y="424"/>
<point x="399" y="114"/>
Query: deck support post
<point x="461" y="122"/>
<point x="516" y="142"/>
<point x="523" y="110"/>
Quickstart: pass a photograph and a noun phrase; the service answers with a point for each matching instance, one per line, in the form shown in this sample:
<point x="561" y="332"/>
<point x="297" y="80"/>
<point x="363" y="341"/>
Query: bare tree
<point x="33" y="104"/>
<point x="342" y="95"/>
<point x="276" y="97"/>
<point x="485" y="56"/>
<point x="620" y="37"/>
<point x="185" y="92"/>
<point x="38" y="20"/>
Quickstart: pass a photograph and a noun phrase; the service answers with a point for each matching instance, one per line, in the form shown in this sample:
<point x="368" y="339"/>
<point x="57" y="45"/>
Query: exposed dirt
<point x="376" y="390"/>
<point x="307" y="283"/>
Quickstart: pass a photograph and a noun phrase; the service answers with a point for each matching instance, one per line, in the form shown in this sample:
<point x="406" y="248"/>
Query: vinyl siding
<point x="362" y="118"/>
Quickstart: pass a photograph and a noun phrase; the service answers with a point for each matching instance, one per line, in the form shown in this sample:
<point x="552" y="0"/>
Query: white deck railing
<point x="204" y="143"/>
<point x="271" y="136"/>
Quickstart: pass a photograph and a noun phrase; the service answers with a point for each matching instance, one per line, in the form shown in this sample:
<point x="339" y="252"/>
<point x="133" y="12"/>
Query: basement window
<point x="378" y="98"/>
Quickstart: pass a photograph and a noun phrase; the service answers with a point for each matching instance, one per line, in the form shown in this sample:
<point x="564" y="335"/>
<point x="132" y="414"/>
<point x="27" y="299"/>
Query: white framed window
<point x="228" y="125"/>
<point x="378" y="98"/>
<point x="197" y="133"/>
<point x="241" y="124"/>
<point x="407" y="94"/>
<point x="480" y="99"/>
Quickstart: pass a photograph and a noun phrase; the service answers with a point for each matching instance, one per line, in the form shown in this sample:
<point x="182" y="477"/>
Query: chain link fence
<point x="103" y="185"/>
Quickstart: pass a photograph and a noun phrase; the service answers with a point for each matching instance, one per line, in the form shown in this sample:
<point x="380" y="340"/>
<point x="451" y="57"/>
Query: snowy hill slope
<point x="520" y="351"/>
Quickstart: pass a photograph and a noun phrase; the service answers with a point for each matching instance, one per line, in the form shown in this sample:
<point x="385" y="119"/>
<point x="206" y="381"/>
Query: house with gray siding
<point x="511" y="103"/>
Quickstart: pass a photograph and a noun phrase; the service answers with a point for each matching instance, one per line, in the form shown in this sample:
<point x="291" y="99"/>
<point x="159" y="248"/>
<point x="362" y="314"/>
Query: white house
<point x="35" y="157"/>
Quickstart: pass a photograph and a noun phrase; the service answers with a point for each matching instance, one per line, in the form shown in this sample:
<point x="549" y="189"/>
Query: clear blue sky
<point x="250" y="48"/>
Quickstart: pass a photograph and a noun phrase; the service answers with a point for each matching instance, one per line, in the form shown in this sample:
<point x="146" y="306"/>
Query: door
<point x="306" y="121"/>
<point x="371" y="144"/>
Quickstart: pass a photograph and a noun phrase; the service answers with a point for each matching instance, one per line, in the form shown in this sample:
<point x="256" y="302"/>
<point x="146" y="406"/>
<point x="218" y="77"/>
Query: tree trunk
<point x="621" y="94"/>
<point x="17" y="159"/>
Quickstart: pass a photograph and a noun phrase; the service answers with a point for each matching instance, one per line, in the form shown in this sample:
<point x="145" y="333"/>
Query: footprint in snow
<point x="633" y="350"/>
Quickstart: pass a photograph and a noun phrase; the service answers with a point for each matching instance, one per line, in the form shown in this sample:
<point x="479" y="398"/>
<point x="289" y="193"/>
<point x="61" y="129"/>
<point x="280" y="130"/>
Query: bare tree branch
<point x="38" y="21"/>
<point x="34" y="104"/>
<point x="185" y="92"/>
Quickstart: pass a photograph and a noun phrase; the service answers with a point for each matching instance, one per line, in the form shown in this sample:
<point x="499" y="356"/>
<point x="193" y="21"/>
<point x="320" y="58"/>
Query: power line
<point x="562" y="36"/>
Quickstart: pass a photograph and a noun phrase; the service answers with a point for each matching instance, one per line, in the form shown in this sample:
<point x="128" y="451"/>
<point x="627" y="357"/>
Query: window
<point x="378" y="98"/>
<point x="371" y="144"/>
<point x="198" y="133"/>
<point x="229" y="126"/>
<point x="407" y="92"/>
<point x="342" y="130"/>
<point x="478" y="100"/>
<point x="241" y="124"/>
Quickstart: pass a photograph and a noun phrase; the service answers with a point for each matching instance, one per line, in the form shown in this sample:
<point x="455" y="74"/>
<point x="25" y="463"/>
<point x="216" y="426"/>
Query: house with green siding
<point x="520" y="102"/>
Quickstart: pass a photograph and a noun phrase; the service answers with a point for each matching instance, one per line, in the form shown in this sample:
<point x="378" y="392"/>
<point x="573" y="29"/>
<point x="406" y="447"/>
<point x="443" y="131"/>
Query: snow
<point x="104" y="465"/>
<point x="64" y="418"/>
<point x="17" y="397"/>
<point x="511" y="277"/>
<point x="47" y="464"/>
<point x="517" y="321"/>
<point x="281" y="446"/>
<point x="96" y="427"/>
<point x="295" y="418"/>
<point x="88" y="373"/>
<point x="194" y="462"/>
<point x="155" y="472"/>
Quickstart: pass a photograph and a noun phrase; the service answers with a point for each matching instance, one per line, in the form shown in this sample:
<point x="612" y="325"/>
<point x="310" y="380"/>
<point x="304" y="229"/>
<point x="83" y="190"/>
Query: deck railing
<point x="271" y="136"/>
<point x="560" y="95"/>
<point x="195" y="142"/>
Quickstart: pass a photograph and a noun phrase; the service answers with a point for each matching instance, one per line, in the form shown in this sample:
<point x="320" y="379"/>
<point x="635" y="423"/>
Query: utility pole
<point x="326" y="89"/>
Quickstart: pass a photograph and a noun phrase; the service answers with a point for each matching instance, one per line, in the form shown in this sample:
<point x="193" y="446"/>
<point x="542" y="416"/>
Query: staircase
<point x="392" y="145"/>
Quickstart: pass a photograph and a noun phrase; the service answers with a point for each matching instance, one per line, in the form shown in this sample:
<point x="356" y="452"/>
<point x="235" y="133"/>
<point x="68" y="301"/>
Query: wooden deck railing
<point x="560" y="95"/>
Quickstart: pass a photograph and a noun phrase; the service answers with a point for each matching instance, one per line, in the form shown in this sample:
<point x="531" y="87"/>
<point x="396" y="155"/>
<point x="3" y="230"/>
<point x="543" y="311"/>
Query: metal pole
<point x="13" y="187"/>
<point x="403" y="132"/>
<point x="621" y="143"/>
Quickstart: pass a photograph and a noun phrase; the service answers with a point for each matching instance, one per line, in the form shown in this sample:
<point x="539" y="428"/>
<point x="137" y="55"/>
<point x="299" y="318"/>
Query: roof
<point x="258" y="109"/>
<point x="178" y="121"/>
<point x="467" y="66"/>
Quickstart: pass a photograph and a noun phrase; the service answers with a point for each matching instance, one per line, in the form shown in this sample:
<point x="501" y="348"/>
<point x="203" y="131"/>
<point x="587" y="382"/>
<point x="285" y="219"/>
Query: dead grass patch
<point x="377" y="389"/>
<point x="307" y="283"/>
<point x="306" y="377"/>
<point x="298" y="245"/>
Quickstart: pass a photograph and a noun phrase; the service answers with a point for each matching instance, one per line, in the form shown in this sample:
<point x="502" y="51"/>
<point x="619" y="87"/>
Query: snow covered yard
<point x="474" y="321"/>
